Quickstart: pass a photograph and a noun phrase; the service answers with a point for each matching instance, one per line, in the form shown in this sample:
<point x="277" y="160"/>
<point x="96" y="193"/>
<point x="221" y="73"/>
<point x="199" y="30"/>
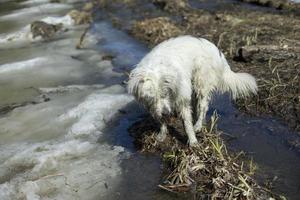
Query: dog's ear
<point x="140" y="84"/>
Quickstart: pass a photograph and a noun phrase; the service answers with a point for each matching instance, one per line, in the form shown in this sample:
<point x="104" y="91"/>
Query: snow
<point x="33" y="170"/>
<point x="36" y="11"/>
<point x="95" y="112"/>
<point x="50" y="150"/>
<point x="65" y="20"/>
<point x="24" y="36"/>
<point x="23" y="65"/>
<point x="50" y="171"/>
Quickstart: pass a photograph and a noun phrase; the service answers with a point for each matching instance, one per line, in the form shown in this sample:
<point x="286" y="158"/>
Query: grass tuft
<point x="207" y="170"/>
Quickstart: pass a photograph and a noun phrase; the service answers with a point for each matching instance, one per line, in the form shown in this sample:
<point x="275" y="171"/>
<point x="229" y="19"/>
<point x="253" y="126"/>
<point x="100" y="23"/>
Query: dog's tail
<point x="238" y="84"/>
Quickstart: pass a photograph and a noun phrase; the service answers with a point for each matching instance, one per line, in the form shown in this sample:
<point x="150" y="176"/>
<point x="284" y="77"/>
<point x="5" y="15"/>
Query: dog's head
<point x="147" y="90"/>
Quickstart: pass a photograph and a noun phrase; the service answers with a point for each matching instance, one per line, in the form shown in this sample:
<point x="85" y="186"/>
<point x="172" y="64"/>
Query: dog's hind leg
<point x="202" y="107"/>
<point x="161" y="136"/>
<point x="186" y="114"/>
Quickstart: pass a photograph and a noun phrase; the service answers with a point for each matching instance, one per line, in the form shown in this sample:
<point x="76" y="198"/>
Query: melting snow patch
<point x="67" y="167"/>
<point x="43" y="10"/>
<point x="93" y="114"/>
<point x="24" y="36"/>
<point x="43" y="154"/>
<point x="50" y="170"/>
<point x="34" y="2"/>
<point x="66" y="20"/>
<point x="70" y="88"/>
<point x="37" y="2"/>
<point x="43" y="71"/>
<point x="28" y="64"/>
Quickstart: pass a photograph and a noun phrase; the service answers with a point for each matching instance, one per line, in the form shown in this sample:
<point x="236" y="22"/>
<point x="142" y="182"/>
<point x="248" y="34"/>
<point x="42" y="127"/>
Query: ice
<point x="28" y="64"/>
<point x="94" y="113"/>
<point x="36" y="11"/>
<point x="24" y="36"/>
<point x="60" y="171"/>
<point x="37" y="122"/>
<point x="66" y="20"/>
<point x="42" y="61"/>
<point x="37" y="2"/>
<point x="34" y="2"/>
<point x="42" y="71"/>
<point x="69" y="88"/>
<point x="6" y="191"/>
<point x="50" y="149"/>
<point x="68" y="164"/>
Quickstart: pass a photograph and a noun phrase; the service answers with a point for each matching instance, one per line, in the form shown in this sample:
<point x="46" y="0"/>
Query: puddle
<point x="214" y="5"/>
<point x="125" y="50"/>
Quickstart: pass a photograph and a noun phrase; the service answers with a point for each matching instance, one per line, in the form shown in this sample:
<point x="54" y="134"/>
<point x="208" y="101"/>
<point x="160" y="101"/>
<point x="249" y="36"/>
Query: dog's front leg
<point x="202" y="107"/>
<point x="163" y="132"/>
<point x="186" y="115"/>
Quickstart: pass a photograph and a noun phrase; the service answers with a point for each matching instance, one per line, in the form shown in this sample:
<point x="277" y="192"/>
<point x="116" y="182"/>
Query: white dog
<point x="166" y="77"/>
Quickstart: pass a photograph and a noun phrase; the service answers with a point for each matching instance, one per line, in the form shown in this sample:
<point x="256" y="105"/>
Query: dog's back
<point x="182" y="52"/>
<point x="187" y="59"/>
<point x="177" y="60"/>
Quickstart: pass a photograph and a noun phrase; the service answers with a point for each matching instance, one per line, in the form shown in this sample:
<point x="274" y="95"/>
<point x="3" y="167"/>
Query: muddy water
<point x="76" y="146"/>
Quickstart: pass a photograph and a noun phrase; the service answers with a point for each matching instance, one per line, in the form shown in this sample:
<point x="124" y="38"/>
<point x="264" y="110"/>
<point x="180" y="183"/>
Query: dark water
<point x="234" y="5"/>
<point x="265" y="139"/>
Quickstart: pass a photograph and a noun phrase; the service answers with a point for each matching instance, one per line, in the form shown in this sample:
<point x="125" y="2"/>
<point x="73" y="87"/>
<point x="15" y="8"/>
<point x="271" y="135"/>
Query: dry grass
<point x="155" y="30"/>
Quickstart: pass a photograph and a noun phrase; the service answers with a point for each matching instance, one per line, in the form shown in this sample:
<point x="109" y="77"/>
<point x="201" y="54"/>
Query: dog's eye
<point x="167" y="82"/>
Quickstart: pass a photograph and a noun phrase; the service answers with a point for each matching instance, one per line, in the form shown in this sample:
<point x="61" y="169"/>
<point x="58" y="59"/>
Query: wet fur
<point x="165" y="79"/>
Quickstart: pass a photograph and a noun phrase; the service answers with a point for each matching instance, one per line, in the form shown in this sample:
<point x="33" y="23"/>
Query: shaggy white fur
<point x="166" y="77"/>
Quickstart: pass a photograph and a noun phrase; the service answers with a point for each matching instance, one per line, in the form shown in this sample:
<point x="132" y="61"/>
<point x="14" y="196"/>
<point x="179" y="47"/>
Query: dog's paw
<point x="197" y="128"/>
<point x="193" y="143"/>
<point x="161" y="137"/>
